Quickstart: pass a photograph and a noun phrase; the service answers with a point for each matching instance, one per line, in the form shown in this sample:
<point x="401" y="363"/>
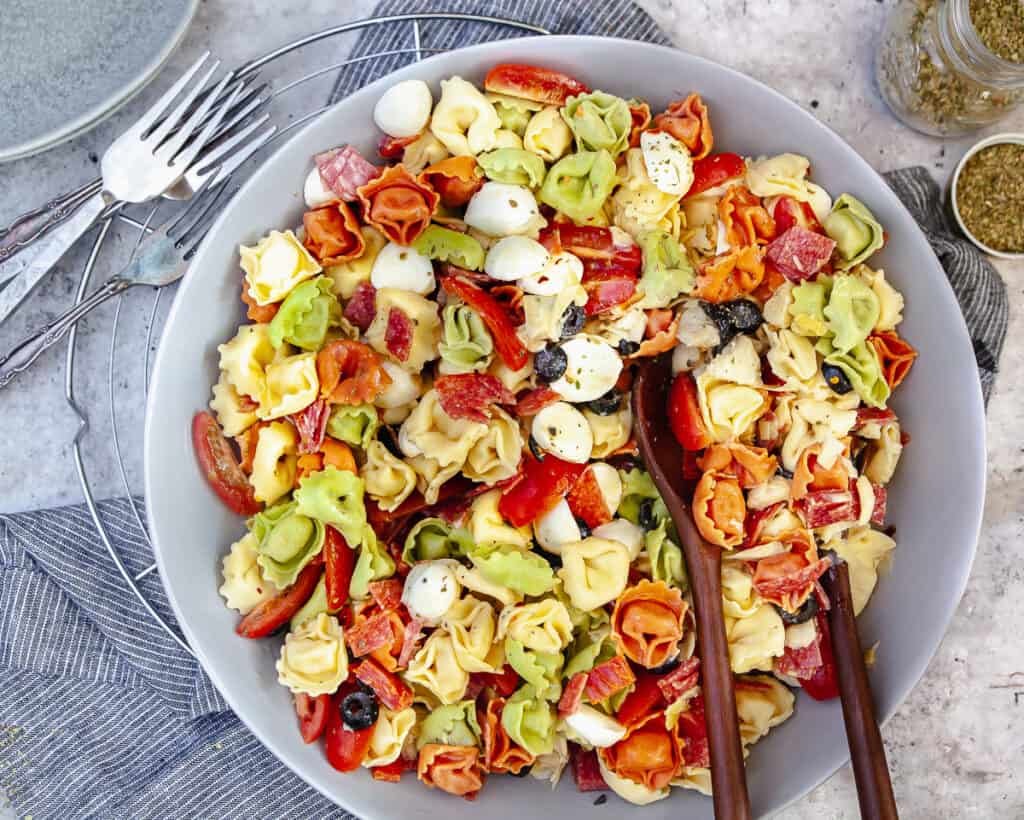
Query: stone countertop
<point x="955" y="745"/>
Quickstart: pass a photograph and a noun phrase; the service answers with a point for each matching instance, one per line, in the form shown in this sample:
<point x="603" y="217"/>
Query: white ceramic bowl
<point x="988" y="142"/>
<point x="935" y="503"/>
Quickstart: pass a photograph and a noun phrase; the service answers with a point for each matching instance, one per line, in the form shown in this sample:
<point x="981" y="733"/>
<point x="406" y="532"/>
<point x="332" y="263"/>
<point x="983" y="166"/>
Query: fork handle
<point x="30" y="349"/>
<point x="35" y="224"/>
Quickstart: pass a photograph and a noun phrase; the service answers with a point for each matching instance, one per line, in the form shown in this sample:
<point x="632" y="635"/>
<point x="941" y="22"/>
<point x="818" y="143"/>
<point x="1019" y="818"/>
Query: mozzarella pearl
<point x="315" y="192"/>
<point x="557" y="528"/>
<point x="562" y="271"/>
<point x="563" y="431"/>
<point x="668" y="162"/>
<point x="610" y="484"/>
<point x="593" y="367"/>
<point x="430" y="590"/>
<point x="404" y="389"/>
<point x="515" y="257"/>
<point x="502" y="209"/>
<point x="625" y="532"/>
<point x="403" y="267"/>
<point x="404" y="109"/>
<point x="595" y="727"/>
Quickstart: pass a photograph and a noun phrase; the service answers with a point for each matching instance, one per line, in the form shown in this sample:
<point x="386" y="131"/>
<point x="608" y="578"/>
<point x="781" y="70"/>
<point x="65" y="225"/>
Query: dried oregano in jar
<point x="990" y="197"/>
<point x="949" y="67"/>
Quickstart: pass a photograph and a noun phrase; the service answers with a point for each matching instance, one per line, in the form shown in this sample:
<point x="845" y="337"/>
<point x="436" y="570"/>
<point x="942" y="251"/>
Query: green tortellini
<point x="515" y="113"/>
<point x="373" y="564"/>
<point x="452" y="725"/>
<point x="434" y="538"/>
<point x="808" y="308"/>
<point x="542" y="670"/>
<point x="334" y="497"/>
<point x="530" y="721"/>
<point x="316" y="604"/>
<point x="638" y="487"/>
<point x="587" y="652"/>
<point x="855" y="230"/>
<point x="306" y="315"/>
<point x="599" y="121"/>
<point x="579" y="184"/>
<point x="665" y="556"/>
<point x="447" y="245"/>
<point x="466" y="344"/>
<point x="514" y="568"/>
<point x="354" y="424"/>
<point x="667" y="271"/>
<point x="288" y="540"/>
<point x="862" y="368"/>
<point x="852" y="311"/>
<point x="515" y="166"/>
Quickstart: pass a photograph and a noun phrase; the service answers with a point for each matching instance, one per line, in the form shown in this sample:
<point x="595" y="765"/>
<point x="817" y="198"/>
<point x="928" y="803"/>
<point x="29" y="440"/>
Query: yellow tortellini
<point x="436" y="668"/>
<point x="755" y="640"/>
<point x="761" y="704"/>
<point x="346" y="276"/>
<point x="786" y="175"/>
<point x="487" y="526"/>
<point x="884" y="454"/>
<point x="547" y="135"/>
<point x="496" y="455"/>
<point x="543" y="626"/>
<point x="314" y="660"/>
<point x="890" y="300"/>
<point x="426" y="326"/>
<point x="422" y="153"/>
<point x="289" y="386"/>
<point x="274" y="463"/>
<point x="471" y="624"/>
<point x="389" y="735"/>
<point x="244" y="359"/>
<point x="389" y="480"/>
<point x="739" y="598"/>
<point x="244" y="586"/>
<point x="464" y="120"/>
<point x="233" y="417"/>
<point x="638" y="205"/>
<point x="544" y="314"/>
<point x="275" y="265"/>
<point x="610" y="432"/>
<point x="792" y="358"/>
<point x="863" y="549"/>
<point x="472" y="579"/>
<point x="594" y="571"/>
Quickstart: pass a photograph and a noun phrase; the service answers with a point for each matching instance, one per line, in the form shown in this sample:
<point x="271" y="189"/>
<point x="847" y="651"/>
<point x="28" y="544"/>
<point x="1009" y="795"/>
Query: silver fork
<point x="161" y="258"/>
<point x="143" y="163"/>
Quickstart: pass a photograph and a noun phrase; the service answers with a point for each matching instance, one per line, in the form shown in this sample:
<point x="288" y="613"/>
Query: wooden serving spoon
<point x="664" y="459"/>
<point x="870" y="771"/>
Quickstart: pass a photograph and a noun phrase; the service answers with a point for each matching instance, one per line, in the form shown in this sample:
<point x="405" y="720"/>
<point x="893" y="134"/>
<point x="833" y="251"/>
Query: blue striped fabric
<point x="102" y="714"/>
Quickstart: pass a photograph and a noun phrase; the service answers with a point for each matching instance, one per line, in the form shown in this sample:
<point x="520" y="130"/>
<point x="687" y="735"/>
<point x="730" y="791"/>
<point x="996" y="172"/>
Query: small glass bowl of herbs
<point x="987" y="195"/>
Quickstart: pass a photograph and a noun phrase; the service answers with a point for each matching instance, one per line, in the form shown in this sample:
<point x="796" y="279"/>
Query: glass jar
<point x="937" y="75"/>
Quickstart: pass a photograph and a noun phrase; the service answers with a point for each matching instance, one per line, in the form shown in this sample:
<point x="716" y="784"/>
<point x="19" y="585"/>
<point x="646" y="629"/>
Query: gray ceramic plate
<point x="66" y="65"/>
<point x="935" y="503"/>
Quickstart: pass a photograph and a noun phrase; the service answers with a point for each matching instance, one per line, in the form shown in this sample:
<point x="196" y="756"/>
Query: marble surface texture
<point x="955" y="745"/>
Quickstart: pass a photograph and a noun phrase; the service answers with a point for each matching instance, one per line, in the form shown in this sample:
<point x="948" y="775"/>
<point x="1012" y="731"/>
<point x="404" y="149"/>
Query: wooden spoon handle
<point x="728" y="778"/>
<point x="870" y="770"/>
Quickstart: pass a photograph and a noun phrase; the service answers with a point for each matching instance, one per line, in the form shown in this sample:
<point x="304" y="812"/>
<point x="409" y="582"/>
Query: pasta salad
<point x="426" y="423"/>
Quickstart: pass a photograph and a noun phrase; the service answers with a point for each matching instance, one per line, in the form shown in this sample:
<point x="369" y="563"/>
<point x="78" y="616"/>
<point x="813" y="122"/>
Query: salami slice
<point x="398" y="334"/>
<point x="311" y="425"/>
<point x="410" y="641"/>
<point x="535" y="401"/>
<point x="800" y="254"/>
<point x="607" y="678"/>
<point x="572" y="695"/>
<point x="471" y="395"/>
<point x="362" y="307"/>
<point x="344" y="169"/>
<point x="391" y="691"/>
<point x="801" y="663"/>
<point x="369" y="634"/>
<point x="820" y="508"/>
<point x="386" y="594"/>
<point x="693" y="729"/>
<point x="878" y="513"/>
<point x="586" y="771"/>
<point x="680" y="680"/>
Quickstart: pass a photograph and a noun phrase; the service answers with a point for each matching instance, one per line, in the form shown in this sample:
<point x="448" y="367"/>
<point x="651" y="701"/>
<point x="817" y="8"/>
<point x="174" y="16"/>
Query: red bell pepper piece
<point x="645" y="699"/>
<point x="339" y="560"/>
<point x="393" y="147"/>
<point x="510" y="348"/>
<point x="715" y="169"/>
<point x="684" y="416"/>
<point x="543" y="485"/>
<point x="390" y="772"/>
<point x="607" y="290"/>
<point x="533" y="83"/>
<point x="822" y="684"/>
<point x="504" y="683"/>
<point x="271" y="615"/>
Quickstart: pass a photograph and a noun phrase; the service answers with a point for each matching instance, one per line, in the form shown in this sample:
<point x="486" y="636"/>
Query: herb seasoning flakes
<point x="990" y="197"/>
<point x="1000" y="26"/>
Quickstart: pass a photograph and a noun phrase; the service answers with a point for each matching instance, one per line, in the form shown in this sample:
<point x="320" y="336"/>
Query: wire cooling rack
<point x="295" y="102"/>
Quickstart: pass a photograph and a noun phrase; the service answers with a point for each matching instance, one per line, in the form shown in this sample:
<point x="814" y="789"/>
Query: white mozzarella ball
<point x="404" y="109"/>
<point x="430" y="590"/>
<point x="502" y="209"/>
<point x="403" y="267"/>
<point x="668" y="162"/>
<point x="404" y="389"/>
<point x="610" y="484"/>
<point x="563" y="431"/>
<point x="557" y="528"/>
<point x="562" y="271"/>
<point x="593" y="366"/>
<point x="625" y="532"/>
<point x="315" y="192"/>
<point x="515" y="257"/>
<point x="595" y="727"/>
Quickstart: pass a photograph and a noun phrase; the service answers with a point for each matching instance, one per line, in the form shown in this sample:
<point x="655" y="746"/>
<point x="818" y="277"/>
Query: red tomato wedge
<point x="543" y="485"/>
<point x="339" y="561"/>
<point x="510" y="348"/>
<point x="645" y="699"/>
<point x="533" y="83"/>
<point x="684" y="416"/>
<point x="789" y="212"/>
<point x="391" y="772"/>
<point x="822" y="684"/>
<point x="346" y="748"/>
<point x="312" y="714"/>
<point x="271" y="615"/>
<point x="504" y="683"/>
<point x="220" y="466"/>
<point x="713" y="170"/>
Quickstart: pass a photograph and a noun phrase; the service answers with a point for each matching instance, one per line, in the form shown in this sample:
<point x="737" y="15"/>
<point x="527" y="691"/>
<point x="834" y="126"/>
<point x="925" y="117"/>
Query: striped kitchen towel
<point x="102" y="714"/>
